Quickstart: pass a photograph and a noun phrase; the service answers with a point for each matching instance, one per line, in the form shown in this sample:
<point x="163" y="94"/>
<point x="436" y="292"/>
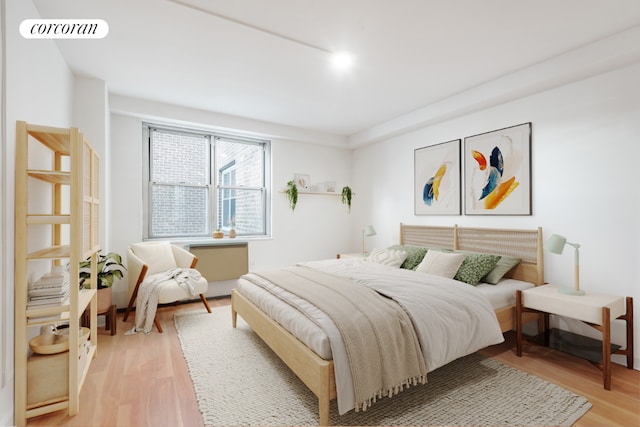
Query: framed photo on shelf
<point x="498" y="172"/>
<point x="303" y="181"/>
<point x="437" y="179"/>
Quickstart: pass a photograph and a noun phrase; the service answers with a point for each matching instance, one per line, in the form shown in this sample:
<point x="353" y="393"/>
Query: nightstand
<point x="352" y="255"/>
<point x="596" y="310"/>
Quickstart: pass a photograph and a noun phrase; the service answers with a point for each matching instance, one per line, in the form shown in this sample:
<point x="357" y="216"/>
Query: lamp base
<point x="569" y="291"/>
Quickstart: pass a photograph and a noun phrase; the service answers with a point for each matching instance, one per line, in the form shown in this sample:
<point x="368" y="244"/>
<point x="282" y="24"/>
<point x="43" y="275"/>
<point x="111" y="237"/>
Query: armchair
<point x="147" y="258"/>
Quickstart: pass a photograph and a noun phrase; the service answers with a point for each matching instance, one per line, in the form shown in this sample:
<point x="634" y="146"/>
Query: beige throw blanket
<point x="149" y="291"/>
<point x="382" y="347"/>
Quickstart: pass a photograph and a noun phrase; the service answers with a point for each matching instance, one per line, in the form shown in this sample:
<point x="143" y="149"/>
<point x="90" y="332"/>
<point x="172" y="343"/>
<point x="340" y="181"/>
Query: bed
<point x="306" y="355"/>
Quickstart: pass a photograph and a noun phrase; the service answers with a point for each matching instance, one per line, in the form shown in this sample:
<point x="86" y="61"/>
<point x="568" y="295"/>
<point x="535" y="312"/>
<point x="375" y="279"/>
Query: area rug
<point x="238" y="380"/>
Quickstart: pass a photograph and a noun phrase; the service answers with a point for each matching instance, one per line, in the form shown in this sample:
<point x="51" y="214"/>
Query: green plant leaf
<point x="109" y="268"/>
<point x="346" y="196"/>
<point x="292" y="194"/>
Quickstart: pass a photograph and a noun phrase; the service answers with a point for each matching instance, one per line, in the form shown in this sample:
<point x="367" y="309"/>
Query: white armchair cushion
<point x="169" y="294"/>
<point x="157" y="255"/>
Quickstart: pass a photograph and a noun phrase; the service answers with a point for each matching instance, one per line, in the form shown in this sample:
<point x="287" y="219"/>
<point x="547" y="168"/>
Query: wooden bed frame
<point x="318" y="374"/>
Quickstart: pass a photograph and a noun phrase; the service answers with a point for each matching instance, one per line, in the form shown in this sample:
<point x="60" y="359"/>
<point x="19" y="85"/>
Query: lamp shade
<point x="369" y="231"/>
<point x="555" y="244"/>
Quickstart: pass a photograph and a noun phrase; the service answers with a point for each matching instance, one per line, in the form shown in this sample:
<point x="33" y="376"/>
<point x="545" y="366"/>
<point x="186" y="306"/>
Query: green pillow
<point x="415" y="254"/>
<point x="475" y="267"/>
<point x="503" y="266"/>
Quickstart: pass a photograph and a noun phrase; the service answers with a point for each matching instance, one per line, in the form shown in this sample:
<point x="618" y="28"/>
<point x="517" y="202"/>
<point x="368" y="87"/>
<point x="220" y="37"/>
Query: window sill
<point x="210" y="241"/>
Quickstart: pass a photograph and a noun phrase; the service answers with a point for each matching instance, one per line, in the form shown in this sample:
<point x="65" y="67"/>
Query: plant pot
<point x="232" y="233"/>
<point x="218" y="234"/>
<point x="105" y="300"/>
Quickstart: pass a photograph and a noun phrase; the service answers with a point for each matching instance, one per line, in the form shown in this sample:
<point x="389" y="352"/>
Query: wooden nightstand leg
<point x="547" y="329"/>
<point x="519" y="323"/>
<point x="628" y="318"/>
<point x="630" y="342"/>
<point x="606" y="347"/>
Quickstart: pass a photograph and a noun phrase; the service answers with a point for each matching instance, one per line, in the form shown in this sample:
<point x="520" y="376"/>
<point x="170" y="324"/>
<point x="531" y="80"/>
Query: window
<point x="198" y="182"/>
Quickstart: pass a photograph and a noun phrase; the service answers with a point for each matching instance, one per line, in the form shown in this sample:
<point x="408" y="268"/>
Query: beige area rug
<point x="239" y="381"/>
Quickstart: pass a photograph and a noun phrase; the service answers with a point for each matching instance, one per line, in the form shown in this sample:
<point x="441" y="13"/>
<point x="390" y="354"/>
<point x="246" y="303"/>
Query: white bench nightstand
<point x="596" y="310"/>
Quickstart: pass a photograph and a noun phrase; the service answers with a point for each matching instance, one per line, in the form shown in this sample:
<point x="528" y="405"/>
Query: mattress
<point x="503" y="294"/>
<point x="500" y="295"/>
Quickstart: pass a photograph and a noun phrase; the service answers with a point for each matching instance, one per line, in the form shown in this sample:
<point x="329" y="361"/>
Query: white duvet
<point x="452" y="319"/>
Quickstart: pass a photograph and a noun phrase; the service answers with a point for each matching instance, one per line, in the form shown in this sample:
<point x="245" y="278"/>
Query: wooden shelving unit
<point x="48" y="383"/>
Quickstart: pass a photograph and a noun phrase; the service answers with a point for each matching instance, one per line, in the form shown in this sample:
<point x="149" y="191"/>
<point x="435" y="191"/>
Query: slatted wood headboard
<point x="523" y="244"/>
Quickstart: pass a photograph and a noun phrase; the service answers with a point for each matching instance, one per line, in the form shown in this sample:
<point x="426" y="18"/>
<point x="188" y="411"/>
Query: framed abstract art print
<point x="437" y="179"/>
<point x="497" y="169"/>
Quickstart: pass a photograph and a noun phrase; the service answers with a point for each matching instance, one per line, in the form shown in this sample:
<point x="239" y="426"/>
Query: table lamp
<point x="366" y="232"/>
<point x="555" y="244"/>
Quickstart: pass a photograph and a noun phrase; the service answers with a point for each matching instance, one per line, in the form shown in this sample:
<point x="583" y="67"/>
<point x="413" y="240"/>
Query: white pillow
<point x="390" y="257"/>
<point x="441" y="263"/>
<point x="158" y="256"/>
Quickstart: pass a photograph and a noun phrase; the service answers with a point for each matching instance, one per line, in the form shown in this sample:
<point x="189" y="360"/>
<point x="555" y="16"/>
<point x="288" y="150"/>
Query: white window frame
<point x="214" y="186"/>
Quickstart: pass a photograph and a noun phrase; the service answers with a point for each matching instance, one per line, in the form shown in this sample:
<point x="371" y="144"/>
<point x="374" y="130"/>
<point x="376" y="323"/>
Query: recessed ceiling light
<point x="341" y="60"/>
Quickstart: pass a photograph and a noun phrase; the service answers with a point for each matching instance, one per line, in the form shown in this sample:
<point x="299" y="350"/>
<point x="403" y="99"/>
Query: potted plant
<point x="109" y="268"/>
<point x="292" y="194"/>
<point x="346" y="196"/>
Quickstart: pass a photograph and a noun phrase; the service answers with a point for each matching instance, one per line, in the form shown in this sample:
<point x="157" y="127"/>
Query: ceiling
<point x="269" y="60"/>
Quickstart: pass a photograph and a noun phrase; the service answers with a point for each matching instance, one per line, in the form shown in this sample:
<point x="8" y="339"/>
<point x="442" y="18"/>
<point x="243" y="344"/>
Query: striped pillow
<point x="443" y="264"/>
<point x="390" y="257"/>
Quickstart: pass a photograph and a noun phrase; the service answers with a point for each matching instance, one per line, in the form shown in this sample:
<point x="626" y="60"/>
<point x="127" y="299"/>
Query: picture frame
<point x="497" y="170"/>
<point x="303" y="181"/>
<point x="437" y="182"/>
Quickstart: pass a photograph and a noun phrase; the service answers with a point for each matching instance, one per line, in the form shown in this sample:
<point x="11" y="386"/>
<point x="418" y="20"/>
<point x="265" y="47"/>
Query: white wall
<point x="318" y="228"/>
<point x="91" y="115"/>
<point x="39" y="90"/>
<point x="585" y="154"/>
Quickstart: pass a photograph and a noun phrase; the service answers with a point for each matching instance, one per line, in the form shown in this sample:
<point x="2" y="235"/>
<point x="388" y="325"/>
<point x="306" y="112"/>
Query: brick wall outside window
<point x="183" y="191"/>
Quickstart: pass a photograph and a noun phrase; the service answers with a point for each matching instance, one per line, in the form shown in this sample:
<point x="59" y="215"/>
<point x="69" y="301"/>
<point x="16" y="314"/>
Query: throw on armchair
<point x="148" y="258"/>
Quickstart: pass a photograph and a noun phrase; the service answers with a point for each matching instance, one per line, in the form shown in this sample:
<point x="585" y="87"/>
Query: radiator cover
<point x="218" y="262"/>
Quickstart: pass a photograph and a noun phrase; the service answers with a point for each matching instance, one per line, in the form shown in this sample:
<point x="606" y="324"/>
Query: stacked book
<point x="50" y="290"/>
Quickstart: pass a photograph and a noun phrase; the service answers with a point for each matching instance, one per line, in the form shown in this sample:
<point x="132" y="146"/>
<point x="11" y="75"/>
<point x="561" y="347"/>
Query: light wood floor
<point x="143" y="380"/>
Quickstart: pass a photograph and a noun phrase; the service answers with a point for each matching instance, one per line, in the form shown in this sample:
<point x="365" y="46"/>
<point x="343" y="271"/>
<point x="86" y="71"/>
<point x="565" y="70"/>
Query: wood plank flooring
<point x="143" y="380"/>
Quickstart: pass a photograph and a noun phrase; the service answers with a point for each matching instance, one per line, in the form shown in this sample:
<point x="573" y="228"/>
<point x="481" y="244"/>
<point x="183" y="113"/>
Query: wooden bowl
<point x="60" y="343"/>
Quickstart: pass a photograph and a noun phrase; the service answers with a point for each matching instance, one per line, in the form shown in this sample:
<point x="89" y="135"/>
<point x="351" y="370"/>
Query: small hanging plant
<point x="346" y="196"/>
<point x="292" y="194"/>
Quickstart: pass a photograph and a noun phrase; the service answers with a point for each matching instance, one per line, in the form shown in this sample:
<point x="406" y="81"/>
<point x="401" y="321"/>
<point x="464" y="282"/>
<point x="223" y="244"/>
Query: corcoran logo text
<point x="64" y="29"/>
